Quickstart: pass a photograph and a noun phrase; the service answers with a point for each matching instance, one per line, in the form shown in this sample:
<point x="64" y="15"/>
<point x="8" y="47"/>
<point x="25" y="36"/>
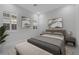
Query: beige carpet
<point x="12" y="51"/>
<point x="69" y="51"/>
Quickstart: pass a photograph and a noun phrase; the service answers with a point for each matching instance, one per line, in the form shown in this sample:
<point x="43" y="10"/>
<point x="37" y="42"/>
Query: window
<point x="9" y="20"/>
<point x="7" y="25"/>
<point x="14" y="26"/>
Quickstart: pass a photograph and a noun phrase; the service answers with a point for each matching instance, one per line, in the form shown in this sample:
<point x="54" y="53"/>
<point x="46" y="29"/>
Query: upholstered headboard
<point x="58" y="30"/>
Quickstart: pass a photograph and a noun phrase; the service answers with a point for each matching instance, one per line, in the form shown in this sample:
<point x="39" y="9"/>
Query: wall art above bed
<point x="55" y="22"/>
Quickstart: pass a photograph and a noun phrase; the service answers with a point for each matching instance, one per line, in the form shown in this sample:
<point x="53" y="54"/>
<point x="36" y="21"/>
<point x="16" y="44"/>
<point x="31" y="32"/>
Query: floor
<point x="14" y="38"/>
<point x="70" y="50"/>
<point x="7" y="50"/>
<point x="10" y="50"/>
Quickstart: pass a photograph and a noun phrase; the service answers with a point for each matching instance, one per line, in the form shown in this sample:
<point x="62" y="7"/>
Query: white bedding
<point x="26" y="48"/>
<point x="54" y="36"/>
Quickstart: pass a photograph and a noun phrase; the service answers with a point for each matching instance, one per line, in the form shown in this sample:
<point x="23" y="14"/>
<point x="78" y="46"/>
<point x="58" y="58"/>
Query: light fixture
<point x="35" y="5"/>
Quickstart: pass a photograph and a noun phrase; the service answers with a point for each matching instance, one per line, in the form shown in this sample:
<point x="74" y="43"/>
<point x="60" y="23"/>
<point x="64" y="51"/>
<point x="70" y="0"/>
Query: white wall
<point x="67" y="12"/>
<point x="77" y="23"/>
<point x="41" y="21"/>
<point x="20" y="35"/>
<point x="70" y="14"/>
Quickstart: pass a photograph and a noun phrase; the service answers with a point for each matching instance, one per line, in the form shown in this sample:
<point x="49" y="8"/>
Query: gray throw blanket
<point x="51" y="45"/>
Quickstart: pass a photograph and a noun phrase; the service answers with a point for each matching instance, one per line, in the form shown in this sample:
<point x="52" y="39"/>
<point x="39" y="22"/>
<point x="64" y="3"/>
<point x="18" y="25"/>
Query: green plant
<point x="3" y="35"/>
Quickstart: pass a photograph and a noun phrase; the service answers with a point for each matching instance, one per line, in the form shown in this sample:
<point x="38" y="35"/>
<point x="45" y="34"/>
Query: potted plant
<point x="3" y="35"/>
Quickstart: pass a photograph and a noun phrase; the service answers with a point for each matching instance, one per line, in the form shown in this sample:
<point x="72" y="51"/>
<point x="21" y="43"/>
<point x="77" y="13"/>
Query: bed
<point x="40" y="45"/>
<point x="45" y="44"/>
<point x="51" y="41"/>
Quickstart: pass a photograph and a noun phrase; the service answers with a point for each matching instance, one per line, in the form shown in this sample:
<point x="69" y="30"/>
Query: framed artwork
<point x="26" y="22"/>
<point x="14" y="26"/>
<point x="56" y="23"/>
<point x="7" y="25"/>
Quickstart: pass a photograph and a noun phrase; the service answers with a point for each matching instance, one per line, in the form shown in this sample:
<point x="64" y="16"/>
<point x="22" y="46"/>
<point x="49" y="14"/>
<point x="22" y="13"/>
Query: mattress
<point x="26" y="48"/>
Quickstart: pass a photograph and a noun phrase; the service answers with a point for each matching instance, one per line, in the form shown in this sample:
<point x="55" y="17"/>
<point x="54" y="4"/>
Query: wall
<point x="67" y="12"/>
<point x="77" y="22"/>
<point x="76" y="51"/>
<point x="41" y="21"/>
<point x="70" y="14"/>
<point x="19" y="35"/>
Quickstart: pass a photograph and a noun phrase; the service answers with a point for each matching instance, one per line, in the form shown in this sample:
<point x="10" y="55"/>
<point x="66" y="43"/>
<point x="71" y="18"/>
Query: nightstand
<point x="70" y="40"/>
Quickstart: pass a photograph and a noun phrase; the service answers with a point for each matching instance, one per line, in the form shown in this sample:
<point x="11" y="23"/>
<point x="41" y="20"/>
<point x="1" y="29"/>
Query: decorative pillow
<point x="57" y="33"/>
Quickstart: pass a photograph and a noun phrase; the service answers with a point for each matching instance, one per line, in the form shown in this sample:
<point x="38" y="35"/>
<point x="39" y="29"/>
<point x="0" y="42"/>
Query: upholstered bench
<point x="25" y="48"/>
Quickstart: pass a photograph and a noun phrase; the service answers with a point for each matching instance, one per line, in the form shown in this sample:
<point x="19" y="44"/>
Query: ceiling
<point x="40" y="7"/>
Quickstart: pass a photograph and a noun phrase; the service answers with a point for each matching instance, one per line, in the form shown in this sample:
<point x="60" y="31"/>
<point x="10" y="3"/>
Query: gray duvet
<point x="52" y="45"/>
